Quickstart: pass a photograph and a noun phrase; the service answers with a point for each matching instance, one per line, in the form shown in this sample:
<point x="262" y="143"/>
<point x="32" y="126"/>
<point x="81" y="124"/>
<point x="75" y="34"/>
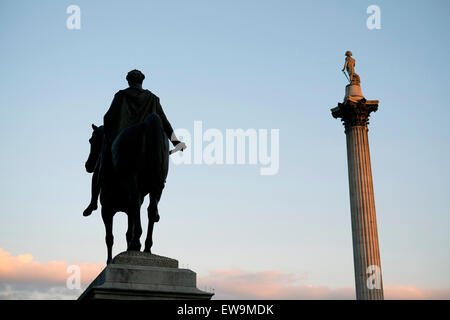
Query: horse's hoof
<point x="148" y="250"/>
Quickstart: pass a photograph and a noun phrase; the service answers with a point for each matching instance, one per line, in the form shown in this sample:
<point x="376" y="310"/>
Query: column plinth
<point x="366" y="253"/>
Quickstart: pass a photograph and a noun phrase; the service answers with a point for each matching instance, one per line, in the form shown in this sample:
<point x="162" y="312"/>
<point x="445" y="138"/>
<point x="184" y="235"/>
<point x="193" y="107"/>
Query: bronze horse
<point x="134" y="165"/>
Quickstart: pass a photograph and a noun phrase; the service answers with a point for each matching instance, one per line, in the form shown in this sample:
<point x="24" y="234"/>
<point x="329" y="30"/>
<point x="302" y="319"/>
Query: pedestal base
<point x="144" y="276"/>
<point x="353" y="91"/>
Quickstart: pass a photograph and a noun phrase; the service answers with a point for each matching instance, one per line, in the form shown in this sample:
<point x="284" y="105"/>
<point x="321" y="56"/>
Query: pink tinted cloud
<point x="240" y="284"/>
<point x="24" y="269"/>
<point x="228" y="284"/>
<point x="273" y="284"/>
<point x="410" y="292"/>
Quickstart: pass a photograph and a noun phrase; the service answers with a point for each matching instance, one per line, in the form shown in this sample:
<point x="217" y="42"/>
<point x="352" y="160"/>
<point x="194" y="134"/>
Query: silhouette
<point x="92" y="166"/>
<point x="129" y="159"/>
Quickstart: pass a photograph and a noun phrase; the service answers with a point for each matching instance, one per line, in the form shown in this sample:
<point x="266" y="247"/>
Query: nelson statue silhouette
<point x="129" y="159"/>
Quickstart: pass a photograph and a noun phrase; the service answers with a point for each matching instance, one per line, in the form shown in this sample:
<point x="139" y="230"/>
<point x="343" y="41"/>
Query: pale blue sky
<point x="233" y="64"/>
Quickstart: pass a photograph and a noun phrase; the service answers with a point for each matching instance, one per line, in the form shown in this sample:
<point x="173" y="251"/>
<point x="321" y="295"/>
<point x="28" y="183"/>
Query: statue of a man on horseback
<point x="129" y="159"/>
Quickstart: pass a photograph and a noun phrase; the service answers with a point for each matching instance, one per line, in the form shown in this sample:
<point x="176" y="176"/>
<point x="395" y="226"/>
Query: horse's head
<point x="96" y="142"/>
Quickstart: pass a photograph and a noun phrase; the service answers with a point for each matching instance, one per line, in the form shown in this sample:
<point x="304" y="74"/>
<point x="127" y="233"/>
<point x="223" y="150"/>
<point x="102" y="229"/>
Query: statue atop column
<point x="349" y="66"/>
<point x="353" y="89"/>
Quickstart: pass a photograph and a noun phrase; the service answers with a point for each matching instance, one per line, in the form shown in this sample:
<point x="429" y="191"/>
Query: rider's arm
<point x="166" y="124"/>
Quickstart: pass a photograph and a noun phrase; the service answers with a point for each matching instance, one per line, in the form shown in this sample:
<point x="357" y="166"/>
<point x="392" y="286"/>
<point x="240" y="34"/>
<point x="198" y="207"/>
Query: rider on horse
<point x="129" y="107"/>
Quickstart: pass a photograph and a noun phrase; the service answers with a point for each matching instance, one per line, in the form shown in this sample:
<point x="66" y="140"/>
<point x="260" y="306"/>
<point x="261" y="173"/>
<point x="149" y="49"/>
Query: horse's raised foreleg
<point x="107" y="216"/>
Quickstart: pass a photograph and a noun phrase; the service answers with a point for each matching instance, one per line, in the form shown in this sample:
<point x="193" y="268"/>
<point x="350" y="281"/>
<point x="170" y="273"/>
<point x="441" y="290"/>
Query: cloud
<point x="240" y="284"/>
<point x="36" y="292"/>
<point x="402" y="292"/>
<point x="22" y="277"/>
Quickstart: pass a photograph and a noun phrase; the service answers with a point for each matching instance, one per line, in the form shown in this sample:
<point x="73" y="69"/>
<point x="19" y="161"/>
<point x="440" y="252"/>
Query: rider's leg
<point x="95" y="191"/>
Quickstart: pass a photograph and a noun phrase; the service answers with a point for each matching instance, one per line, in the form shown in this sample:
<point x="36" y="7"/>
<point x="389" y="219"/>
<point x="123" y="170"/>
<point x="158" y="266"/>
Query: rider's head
<point x="135" y="77"/>
<point x="348" y="53"/>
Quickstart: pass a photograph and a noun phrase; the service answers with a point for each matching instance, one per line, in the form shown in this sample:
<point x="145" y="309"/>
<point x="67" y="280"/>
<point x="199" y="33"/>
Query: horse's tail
<point x="157" y="151"/>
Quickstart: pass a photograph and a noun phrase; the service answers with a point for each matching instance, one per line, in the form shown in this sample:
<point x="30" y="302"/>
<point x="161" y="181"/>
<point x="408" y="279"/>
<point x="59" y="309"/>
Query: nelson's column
<point x="354" y="112"/>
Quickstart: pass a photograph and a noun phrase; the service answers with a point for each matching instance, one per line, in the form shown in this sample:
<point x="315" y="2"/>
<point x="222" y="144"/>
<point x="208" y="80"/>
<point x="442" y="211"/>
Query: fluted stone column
<point x="354" y="113"/>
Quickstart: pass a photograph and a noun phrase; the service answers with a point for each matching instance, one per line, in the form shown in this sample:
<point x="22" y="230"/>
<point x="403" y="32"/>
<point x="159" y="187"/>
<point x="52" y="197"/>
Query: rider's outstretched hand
<point x="178" y="145"/>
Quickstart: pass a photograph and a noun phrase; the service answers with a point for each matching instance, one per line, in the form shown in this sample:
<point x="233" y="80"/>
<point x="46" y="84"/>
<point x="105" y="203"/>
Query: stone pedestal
<point x="142" y="276"/>
<point x="354" y="113"/>
<point x="354" y="91"/>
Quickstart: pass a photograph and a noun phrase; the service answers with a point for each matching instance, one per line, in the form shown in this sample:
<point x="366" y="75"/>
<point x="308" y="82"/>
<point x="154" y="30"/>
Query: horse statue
<point x="136" y="165"/>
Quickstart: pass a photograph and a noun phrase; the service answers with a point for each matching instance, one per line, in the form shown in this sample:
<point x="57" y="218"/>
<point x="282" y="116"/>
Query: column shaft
<point x="366" y="253"/>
